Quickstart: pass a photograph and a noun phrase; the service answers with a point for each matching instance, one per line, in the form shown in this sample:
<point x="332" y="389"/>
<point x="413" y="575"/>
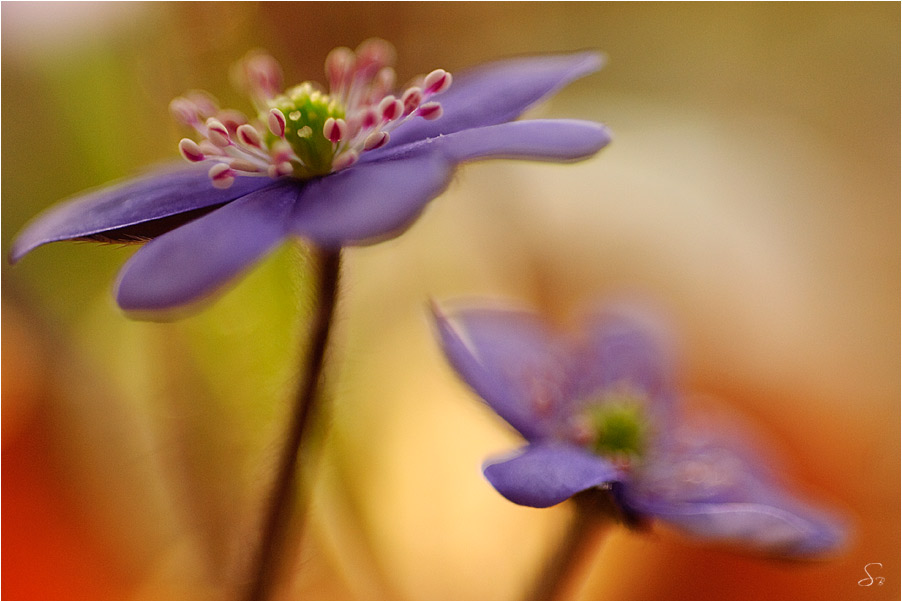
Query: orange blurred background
<point x="751" y="194"/>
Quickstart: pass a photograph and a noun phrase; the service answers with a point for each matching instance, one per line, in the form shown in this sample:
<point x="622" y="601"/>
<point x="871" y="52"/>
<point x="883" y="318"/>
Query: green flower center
<point x="306" y="110"/>
<point x="619" y="426"/>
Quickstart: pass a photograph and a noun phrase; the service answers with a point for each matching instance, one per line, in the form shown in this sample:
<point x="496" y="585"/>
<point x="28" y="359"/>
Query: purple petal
<point x="134" y="209"/>
<point x="194" y="260"/>
<point x="713" y="484"/>
<point x="546" y="474"/>
<point x="512" y="361"/>
<point x="547" y="140"/>
<point x="498" y="92"/>
<point x="618" y="351"/>
<point x="370" y="201"/>
<point x="786" y="530"/>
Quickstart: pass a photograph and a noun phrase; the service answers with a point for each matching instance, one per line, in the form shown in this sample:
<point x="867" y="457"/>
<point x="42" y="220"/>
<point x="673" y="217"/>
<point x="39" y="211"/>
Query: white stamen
<point x="245" y="165"/>
<point x="335" y="130"/>
<point x="345" y="159"/>
<point x="430" y="111"/>
<point x="375" y="140"/>
<point x="190" y="150"/>
<point x="411" y="98"/>
<point x="221" y="175"/>
<point x="390" y="108"/>
<point x="277" y="123"/>
<point x="249" y="136"/>
<point x="218" y="133"/>
<point x="436" y="82"/>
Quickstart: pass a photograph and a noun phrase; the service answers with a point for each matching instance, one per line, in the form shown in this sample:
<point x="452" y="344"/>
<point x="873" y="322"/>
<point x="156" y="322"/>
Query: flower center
<point x="306" y="132"/>
<point x="620" y="430"/>
<point x="306" y="112"/>
<point x="615" y="426"/>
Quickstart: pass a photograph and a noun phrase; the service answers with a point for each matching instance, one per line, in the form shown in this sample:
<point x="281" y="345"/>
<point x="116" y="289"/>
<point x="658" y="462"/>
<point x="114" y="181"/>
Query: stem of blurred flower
<point x="593" y="511"/>
<point x="281" y="507"/>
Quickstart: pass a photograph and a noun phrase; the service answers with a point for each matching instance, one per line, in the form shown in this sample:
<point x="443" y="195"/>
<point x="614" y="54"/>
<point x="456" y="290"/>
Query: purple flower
<point x="598" y="410"/>
<point x="351" y="167"/>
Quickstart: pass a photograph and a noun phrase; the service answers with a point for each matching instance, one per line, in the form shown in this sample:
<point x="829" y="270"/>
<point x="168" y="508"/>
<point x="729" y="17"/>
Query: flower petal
<point x="546" y="474"/>
<point x="714" y="484"/>
<point x="512" y="361"/>
<point x="776" y="528"/>
<point x="498" y="92"/>
<point x="370" y="201"/>
<point x="617" y="350"/>
<point x="194" y="260"/>
<point x="165" y="192"/>
<point x="540" y="139"/>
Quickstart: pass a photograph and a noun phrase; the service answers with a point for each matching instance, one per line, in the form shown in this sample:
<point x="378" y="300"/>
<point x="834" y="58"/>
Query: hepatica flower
<point x="599" y="413"/>
<point x="353" y="164"/>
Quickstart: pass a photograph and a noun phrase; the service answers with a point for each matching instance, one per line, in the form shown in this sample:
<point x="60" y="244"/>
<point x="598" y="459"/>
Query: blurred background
<point x="751" y="195"/>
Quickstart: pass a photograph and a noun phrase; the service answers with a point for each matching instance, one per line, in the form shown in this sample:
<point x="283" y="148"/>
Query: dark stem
<point x="279" y="511"/>
<point x="593" y="510"/>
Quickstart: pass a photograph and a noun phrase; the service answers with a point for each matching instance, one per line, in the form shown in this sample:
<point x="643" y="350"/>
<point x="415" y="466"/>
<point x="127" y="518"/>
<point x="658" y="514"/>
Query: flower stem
<point x="593" y="511"/>
<point x="279" y="511"/>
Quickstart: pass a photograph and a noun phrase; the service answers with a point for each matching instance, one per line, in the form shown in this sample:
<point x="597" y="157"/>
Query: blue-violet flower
<point x="351" y="166"/>
<point x="599" y="411"/>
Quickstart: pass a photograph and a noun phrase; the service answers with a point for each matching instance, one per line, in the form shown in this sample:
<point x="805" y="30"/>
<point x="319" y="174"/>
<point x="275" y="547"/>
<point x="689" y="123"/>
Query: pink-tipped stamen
<point x="411" y="99"/>
<point x="249" y="136"/>
<point x="335" y="130"/>
<point x="339" y="66"/>
<point x="221" y="175"/>
<point x="218" y="133"/>
<point x="345" y="159"/>
<point x="372" y="55"/>
<point x="191" y="151"/>
<point x="436" y="82"/>
<point x="277" y="123"/>
<point x="375" y="140"/>
<point x="430" y="111"/>
<point x="390" y="108"/>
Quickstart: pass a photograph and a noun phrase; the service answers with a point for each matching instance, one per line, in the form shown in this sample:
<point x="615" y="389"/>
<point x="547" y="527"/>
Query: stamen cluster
<point x="306" y="132"/>
<point x="614" y="426"/>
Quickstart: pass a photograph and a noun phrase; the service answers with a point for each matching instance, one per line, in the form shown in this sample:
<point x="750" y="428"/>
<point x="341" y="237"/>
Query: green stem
<point x="592" y="512"/>
<point x="281" y="503"/>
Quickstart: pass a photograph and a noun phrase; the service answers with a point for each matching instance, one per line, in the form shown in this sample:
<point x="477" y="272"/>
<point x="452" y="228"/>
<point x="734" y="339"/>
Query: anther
<point x="231" y="119"/>
<point x="190" y="150"/>
<point x="437" y="81"/>
<point x="204" y="103"/>
<point x="335" y="129"/>
<point x="277" y="123"/>
<point x="430" y="111"/>
<point x="221" y="175"/>
<point x="261" y="75"/>
<point x="372" y="55"/>
<point x="218" y="133"/>
<point x="345" y="159"/>
<point x="411" y="98"/>
<point x="249" y="136"/>
<point x="390" y="108"/>
<point x="375" y="140"/>
<point x="339" y="64"/>
<point x="184" y="111"/>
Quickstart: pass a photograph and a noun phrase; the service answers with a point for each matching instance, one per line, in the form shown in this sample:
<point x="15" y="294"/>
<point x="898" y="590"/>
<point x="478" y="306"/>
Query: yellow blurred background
<point x="751" y="194"/>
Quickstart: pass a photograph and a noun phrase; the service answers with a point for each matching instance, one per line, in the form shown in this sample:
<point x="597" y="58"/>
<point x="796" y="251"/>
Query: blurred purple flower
<point x="599" y="411"/>
<point x="353" y="167"/>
